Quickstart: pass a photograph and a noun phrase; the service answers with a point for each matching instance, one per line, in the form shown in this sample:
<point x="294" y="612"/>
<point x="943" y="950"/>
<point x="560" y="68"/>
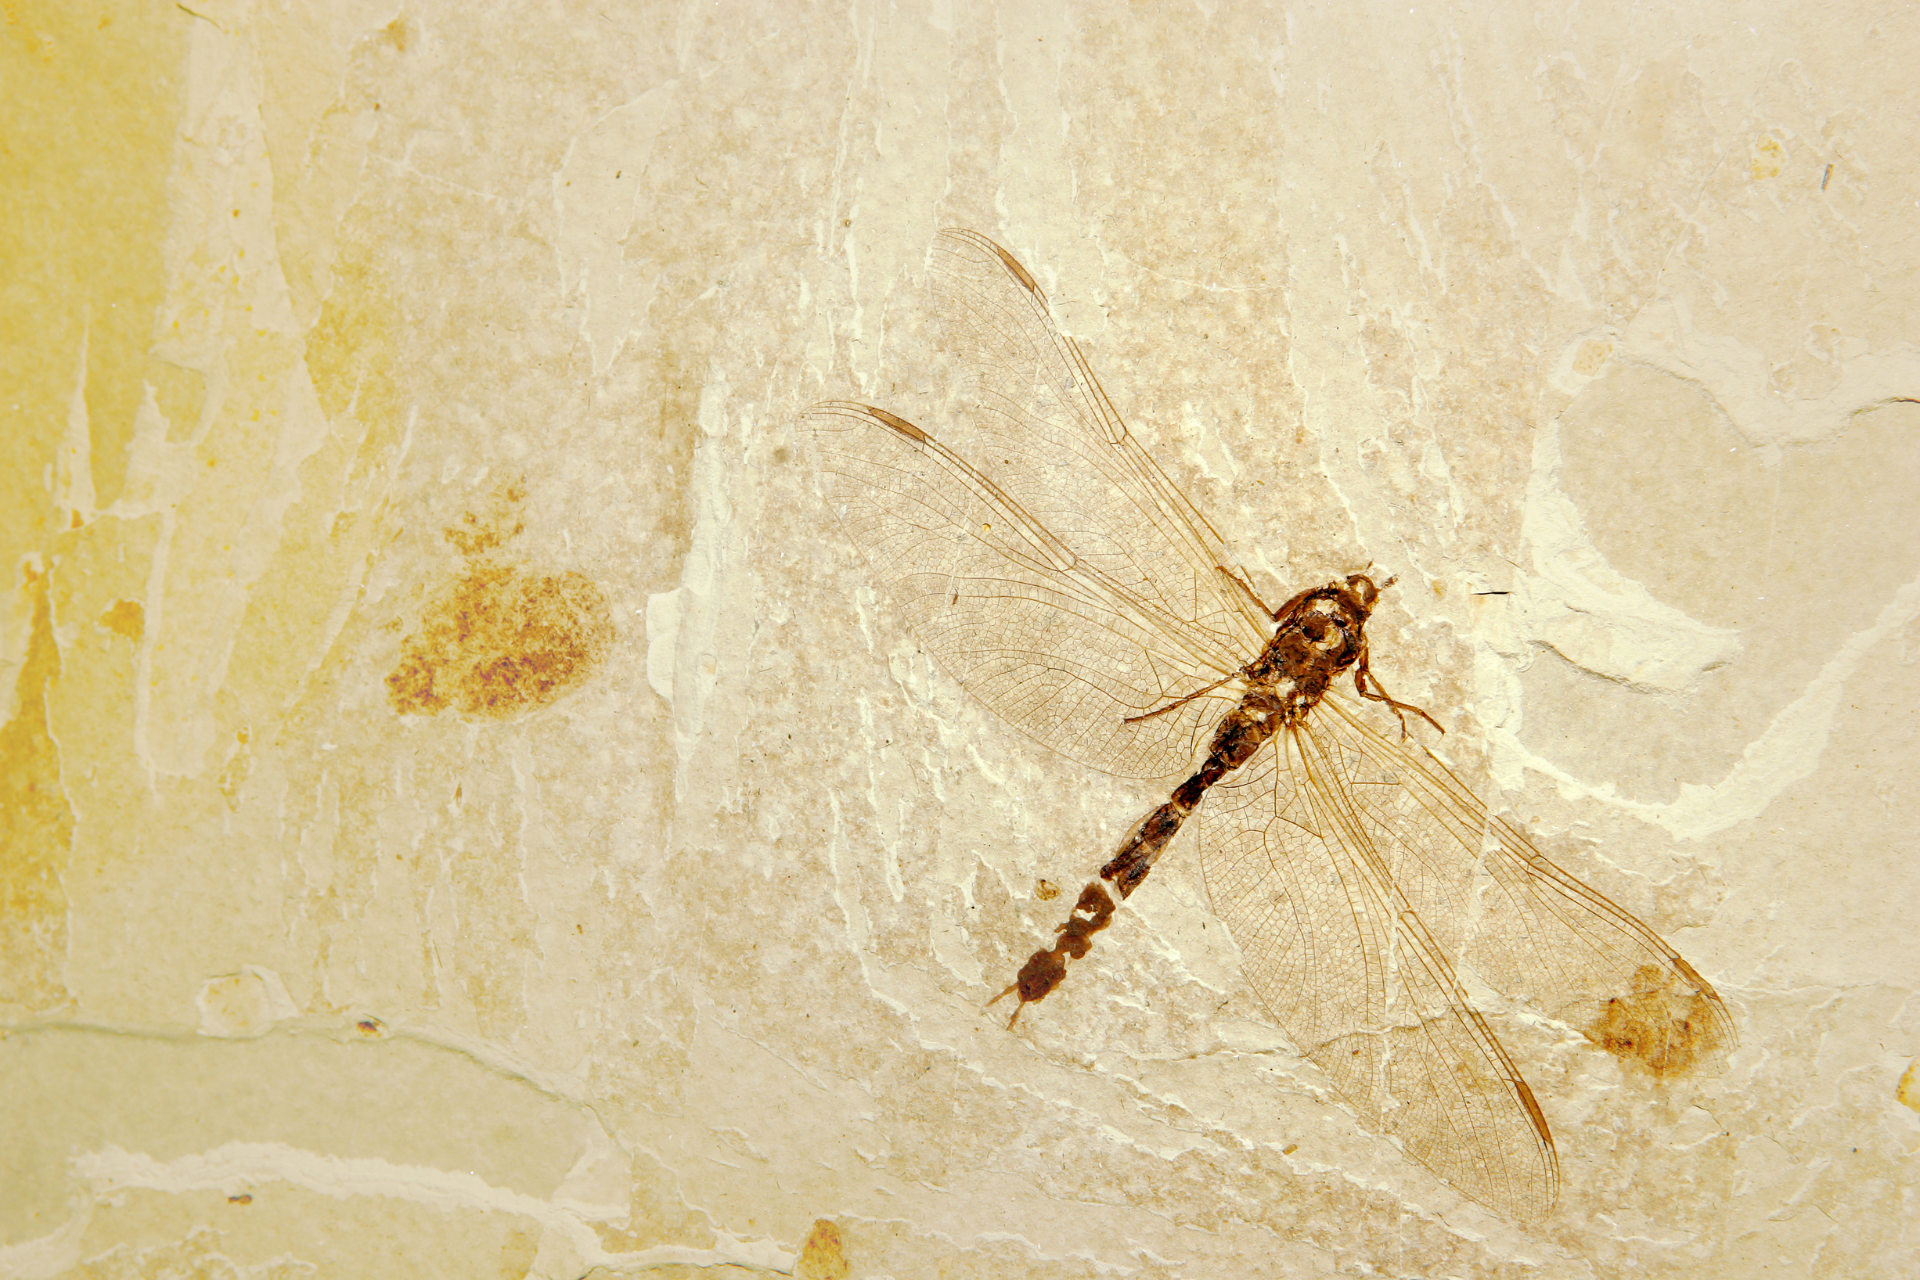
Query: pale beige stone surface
<point x="467" y="811"/>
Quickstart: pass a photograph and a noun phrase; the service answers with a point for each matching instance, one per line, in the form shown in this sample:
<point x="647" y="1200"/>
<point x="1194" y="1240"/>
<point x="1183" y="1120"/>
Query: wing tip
<point x="854" y="409"/>
<point x="1007" y="260"/>
<point x="899" y="424"/>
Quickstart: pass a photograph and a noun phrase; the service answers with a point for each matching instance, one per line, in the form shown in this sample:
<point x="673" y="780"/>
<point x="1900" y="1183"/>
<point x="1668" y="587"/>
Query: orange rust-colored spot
<point x="1665" y="1029"/>
<point x="127" y="618"/>
<point x="1908" y="1090"/>
<point x="482" y="531"/>
<point x="823" y="1256"/>
<point x="500" y="642"/>
<point x="1046" y="890"/>
<point x="245" y="1197"/>
<point x="475" y="533"/>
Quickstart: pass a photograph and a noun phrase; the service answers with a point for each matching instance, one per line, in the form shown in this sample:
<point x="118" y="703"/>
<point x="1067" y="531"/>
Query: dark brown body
<point x="1318" y="635"/>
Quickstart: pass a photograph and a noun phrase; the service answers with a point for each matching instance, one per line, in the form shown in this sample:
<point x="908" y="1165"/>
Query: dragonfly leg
<point x="1239" y="580"/>
<point x="1181" y="702"/>
<point x="1363" y="678"/>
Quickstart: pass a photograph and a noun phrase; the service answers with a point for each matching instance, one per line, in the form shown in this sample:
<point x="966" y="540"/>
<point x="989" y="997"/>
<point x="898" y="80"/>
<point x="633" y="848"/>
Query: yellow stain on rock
<point x="92" y="104"/>
<point x="327" y="533"/>
<point x="36" y="831"/>
<point x="1592" y="357"/>
<point x="823" y="1256"/>
<point x="125" y="618"/>
<point x="350" y="348"/>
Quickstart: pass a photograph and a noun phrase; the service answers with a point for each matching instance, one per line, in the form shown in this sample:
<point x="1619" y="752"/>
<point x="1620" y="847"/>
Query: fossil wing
<point x="1052" y="440"/>
<point x="1538" y="934"/>
<point x="1058" y="574"/>
<point x="1058" y="647"/>
<point x="1355" y="871"/>
<point x="1303" y="879"/>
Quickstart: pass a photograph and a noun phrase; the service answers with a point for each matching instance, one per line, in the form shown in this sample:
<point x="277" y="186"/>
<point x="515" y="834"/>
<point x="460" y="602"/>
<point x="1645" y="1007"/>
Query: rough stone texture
<point x="464" y="809"/>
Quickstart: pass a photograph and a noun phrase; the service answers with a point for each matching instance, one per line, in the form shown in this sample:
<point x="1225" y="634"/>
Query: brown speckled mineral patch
<point x="501" y="641"/>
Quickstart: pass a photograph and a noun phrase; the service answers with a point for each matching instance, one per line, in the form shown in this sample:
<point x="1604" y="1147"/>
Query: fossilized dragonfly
<point x="1067" y="583"/>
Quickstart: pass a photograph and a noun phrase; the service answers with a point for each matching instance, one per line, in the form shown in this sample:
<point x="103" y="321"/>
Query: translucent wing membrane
<point x="1347" y="868"/>
<point x="1051" y="438"/>
<point x="1539" y="934"/>
<point x="1059" y="650"/>
<point x="1099" y="593"/>
<point x="1350" y="970"/>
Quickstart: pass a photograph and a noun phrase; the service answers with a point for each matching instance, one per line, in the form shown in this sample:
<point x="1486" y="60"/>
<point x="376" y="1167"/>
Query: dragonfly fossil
<point x="1068" y="584"/>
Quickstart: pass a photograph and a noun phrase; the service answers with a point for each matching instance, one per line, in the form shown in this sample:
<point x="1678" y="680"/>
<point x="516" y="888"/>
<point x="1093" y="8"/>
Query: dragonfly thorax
<point x="1318" y="634"/>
